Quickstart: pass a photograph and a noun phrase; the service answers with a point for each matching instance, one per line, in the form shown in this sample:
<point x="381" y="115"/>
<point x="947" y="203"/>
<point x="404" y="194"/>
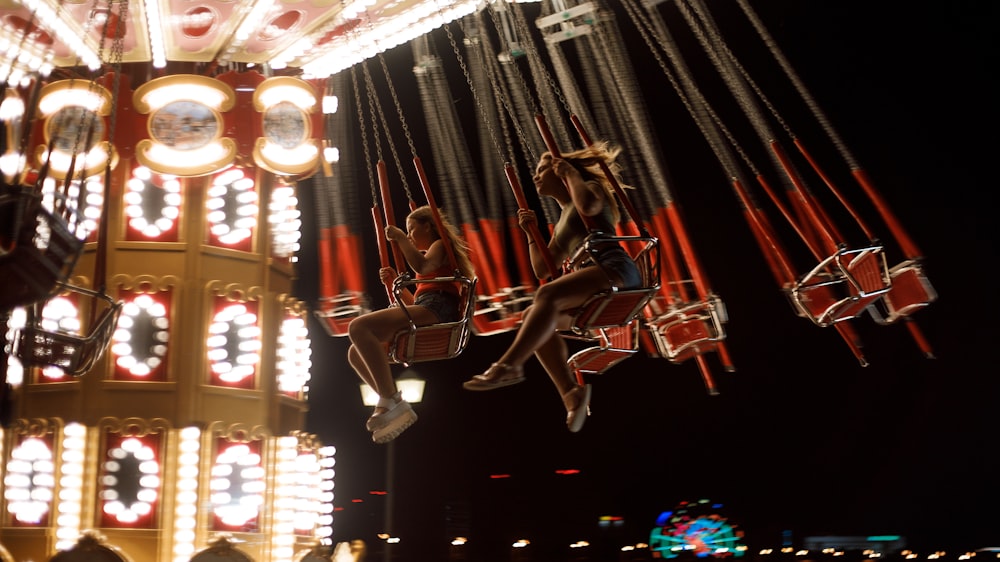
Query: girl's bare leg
<point x="368" y="332"/>
<point x="545" y="315"/>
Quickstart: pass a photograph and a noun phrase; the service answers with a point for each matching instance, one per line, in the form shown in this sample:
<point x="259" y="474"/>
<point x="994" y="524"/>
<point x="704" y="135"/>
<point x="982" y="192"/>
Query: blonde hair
<point x="425" y="215"/>
<point x="588" y="160"/>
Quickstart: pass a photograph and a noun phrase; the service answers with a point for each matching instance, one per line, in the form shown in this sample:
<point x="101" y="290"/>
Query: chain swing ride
<point x="433" y="342"/>
<point x="847" y="280"/>
<point x="613" y="320"/>
<point x="686" y="319"/>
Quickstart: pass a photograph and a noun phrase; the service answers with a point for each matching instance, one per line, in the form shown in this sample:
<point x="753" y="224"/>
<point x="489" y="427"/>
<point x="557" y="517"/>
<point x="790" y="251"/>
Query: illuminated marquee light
<point x="30" y="481"/>
<point x="156" y="45"/>
<point x="12" y="115"/>
<point x="283" y="217"/>
<point x="185" y="125"/>
<point x="186" y="498"/>
<point x="141" y="338"/>
<point x="237" y="485"/>
<point x="85" y="207"/>
<point x="293" y="356"/>
<point x="74" y="113"/>
<point x="71" y="37"/>
<point x="232" y="207"/>
<point x="308" y="492"/>
<point x="131" y="481"/>
<point x="70" y="506"/>
<point x="234" y="343"/>
<point x="382" y="36"/>
<point x="151" y="209"/>
<point x="15" y="369"/>
<point x="285" y="499"/>
<point x="327" y="460"/>
<point x="59" y="315"/>
<point x="287" y="147"/>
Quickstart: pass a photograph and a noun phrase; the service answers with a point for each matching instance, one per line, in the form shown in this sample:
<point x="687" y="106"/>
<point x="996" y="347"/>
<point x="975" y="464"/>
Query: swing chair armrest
<point x="406" y="280"/>
<point x="646" y="256"/>
<point x="63" y="286"/>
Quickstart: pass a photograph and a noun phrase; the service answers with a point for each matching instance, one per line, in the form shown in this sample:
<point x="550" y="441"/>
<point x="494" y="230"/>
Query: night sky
<point x="801" y="438"/>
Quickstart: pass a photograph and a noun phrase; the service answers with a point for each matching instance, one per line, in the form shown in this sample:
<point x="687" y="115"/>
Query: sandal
<point x="577" y="416"/>
<point x="498" y="375"/>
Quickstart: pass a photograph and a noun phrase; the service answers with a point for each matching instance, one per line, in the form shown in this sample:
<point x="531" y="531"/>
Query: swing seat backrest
<point x="842" y="286"/>
<point x="911" y="291"/>
<point x="689" y="329"/>
<point x="501" y="312"/>
<point x="616" y="307"/>
<point x="436" y="341"/>
<point x="335" y="313"/>
<point x="74" y="354"/>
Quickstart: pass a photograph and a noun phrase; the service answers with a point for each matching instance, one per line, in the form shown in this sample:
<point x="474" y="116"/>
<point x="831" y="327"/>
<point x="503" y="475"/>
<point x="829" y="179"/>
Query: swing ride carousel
<point x="157" y="358"/>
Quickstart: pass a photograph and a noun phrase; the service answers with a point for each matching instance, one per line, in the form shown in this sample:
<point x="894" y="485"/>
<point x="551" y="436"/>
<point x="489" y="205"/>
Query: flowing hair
<point x="424" y="215"/>
<point x="588" y="160"/>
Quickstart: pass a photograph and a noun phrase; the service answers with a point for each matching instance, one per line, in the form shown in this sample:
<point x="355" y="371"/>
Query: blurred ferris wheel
<point x="696" y="529"/>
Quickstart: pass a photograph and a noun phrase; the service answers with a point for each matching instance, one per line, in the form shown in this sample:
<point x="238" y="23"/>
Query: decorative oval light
<point x="30" y="481"/>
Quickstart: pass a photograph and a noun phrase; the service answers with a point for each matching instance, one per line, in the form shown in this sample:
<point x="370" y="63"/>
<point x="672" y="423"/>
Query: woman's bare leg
<point x="545" y="315"/>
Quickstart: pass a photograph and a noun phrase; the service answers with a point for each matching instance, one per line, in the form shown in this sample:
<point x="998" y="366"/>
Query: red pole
<point x="534" y="233"/>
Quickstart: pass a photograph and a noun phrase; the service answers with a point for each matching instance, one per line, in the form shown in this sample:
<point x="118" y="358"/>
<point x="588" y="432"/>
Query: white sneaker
<point x="390" y="424"/>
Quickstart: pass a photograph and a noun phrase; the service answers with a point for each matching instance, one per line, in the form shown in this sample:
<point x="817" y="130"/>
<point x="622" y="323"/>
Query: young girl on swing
<point x="577" y="183"/>
<point x="431" y="303"/>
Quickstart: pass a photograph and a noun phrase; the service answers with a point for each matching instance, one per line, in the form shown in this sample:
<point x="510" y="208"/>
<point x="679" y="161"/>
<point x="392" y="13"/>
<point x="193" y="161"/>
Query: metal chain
<point x="472" y="90"/>
<point x="364" y="135"/>
<point x="399" y="108"/>
<point x="643" y="25"/>
<point x="377" y="109"/>
<point x="499" y="87"/>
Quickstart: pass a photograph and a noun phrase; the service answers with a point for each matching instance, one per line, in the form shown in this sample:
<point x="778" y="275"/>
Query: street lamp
<point x="412" y="387"/>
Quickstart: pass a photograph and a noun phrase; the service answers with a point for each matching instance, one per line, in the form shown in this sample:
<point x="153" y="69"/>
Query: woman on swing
<point x="431" y="303"/>
<point x="577" y="183"/>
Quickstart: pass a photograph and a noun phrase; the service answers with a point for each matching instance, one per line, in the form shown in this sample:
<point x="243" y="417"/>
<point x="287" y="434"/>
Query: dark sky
<point x="801" y="438"/>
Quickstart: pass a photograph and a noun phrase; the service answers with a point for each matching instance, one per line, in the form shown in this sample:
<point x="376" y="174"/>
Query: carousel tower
<point x="157" y="362"/>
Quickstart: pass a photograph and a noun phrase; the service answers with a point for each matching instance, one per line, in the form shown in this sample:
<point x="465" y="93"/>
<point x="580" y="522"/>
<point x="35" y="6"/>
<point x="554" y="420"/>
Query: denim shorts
<point x="443" y="304"/>
<point x="615" y="260"/>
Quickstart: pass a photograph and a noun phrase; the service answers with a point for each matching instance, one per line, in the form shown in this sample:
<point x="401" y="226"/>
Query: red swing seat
<point x="610" y="317"/>
<point x="616" y="307"/>
<point x="436" y="341"/>
<point x="842" y="286"/>
<point x="681" y="331"/>
<point x="500" y="312"/>
<point x="335" y="313"/>
<point x="911" y="291"/>
<point x="614" y="345"/>
<point x="73" y="353"/>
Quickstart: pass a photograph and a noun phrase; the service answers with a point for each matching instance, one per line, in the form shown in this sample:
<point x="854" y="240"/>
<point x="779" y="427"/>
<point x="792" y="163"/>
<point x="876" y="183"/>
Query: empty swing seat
<point x="842" y="286"/>
<point x="615" y="344"/>
<point x="335" y="313"/>
<point x="610" y="317"/>
<point x="37" y="252"/>
<point x="688" y="329"/>
<point x="501" y="312"/>
<point x="73" y="353"/>
<point x="911" y="291"/>
<point x="436" y="341"/>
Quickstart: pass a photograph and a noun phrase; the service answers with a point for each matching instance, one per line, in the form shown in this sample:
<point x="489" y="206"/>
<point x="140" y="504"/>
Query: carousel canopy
<point x="319" y="36"/>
